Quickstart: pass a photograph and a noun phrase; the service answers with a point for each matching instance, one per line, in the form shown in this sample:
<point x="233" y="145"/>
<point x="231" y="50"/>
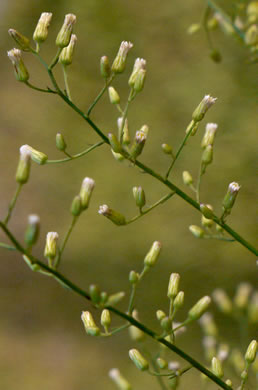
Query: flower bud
<point x="94" y="292"/>
<point x="103" y="297"/>
<point x="162" y="363"/>
<point x="252" y="12"/>
<point x="209" y="135"/>
<point x="207" y="155"/>
<point x="203" y="107"/>
<point x="22" y="41"/>
<point x="250" y="354"/>
<point x="179" y="300"/>
<point x="153" y="254"/>
<point x="223" y="352"/>
<point x="86" y="190"/>
<point x="166" y="324"/>
<point x="64" y="35"/>
<point x="196" y="231"/>
<point x="114" y="216"/>
<point x="113" y="96"/>
<point x="60" y="142"/>
<point x="193" y="127"/>
<point x="89" y="324"/>
<point x="119" y="380"/>
<point x="114" y="143"/>
<point x="76" y="206"/>
<point x="173" y="285"/>
<point x="193" y="28"/>
<point x="167" y="149"/>
<point x="66" y="56"/>
<point x="253" y="309"/>
<point x="119" y="63"/>
<point x="41" y="31"/>
<point x="140" y="362"/>
<point x="139" y="196"/>
<point x="139" y="64"/>
<point x="32" y="230"/>
<point x="215" y="55"/>
<point x="126" y="134"/>
<point x="207" y="214"/>
<point x="229" y="383"/>
<point x="242" y="295"/>
<point x="133" y="277"/>
<point x="230" y="196"/>
<point x="199" y="308"/>
<point x="251" y="35"/>
<point x="222" y="300"/>
<point x="115" y="298"/>
<point x="105" y="318"/>
<point x="118" y="157"/>
<point x="160" y="314"/>
<point x="20" y="70"/>
<point x="187" y="178"/>
<point x="208" y="325"/>
<point x="135" y="333"/>
<point x="51" y="245"/>
<point x="139" y="80"/>
<point x="216" y="367"/>
<point x="37" y="156"/>
<point x="23" y="168"/>
<point x="138" y="144"/>
<point x="105" y="70"/>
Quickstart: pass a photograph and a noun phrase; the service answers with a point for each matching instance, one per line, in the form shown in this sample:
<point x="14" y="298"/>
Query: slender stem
<point x="39" y="89"/>
<point x="66" y="82"/>
<point x="160" y="201"/>
<point x="198" y="185"/>
<point x="124" y="115"/>
<point x="12" y="203"/>
<point x="68" y="233"/>
<point x="217" y="237"/>
<point x="6" y="246"/>
<point x="131" y="299"/>
<point x="108" y="82"/>
<point x="180" y="149"/>
<point x="159" y="379"/>
<point x="55" y="60"/>
<point x="76" y="155"/>
<point x="70" y="285"/>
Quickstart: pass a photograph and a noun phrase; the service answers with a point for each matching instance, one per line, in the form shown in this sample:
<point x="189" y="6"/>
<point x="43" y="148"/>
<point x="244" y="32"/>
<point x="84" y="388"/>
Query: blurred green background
<point x="43" y="343"/>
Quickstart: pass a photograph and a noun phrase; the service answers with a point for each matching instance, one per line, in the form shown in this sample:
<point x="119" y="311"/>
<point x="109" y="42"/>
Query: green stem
<point x="55" y="60"/>
<point x="124" y="115"/>
<point x="162" y="200"/>
<point x="159" y="379"/>
<point x="70" y="285"/>
<point x="131" y="299"/>
<point x="76" y="155"/>
<point x="198" y="185"/>
<point x="66" y="82"/>
<point x="6" y="246"/>
<point x="12" y="203"/>
<point x="39" y="89"/>
<point x="108" y="82"/>
<point x="180" y="149"/>
<point x="68" y="233"/>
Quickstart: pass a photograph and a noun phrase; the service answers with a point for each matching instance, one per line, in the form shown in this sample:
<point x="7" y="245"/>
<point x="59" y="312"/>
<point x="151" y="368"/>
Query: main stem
<point x="66" y="282"/>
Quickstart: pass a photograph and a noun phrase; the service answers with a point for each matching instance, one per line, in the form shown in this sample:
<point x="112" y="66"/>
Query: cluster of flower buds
<point x="82" y="200"/>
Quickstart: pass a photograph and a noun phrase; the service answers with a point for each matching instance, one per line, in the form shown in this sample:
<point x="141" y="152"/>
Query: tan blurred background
<point x="43" y="343"/>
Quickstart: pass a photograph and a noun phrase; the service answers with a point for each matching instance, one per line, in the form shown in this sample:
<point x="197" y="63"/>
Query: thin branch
<point x="74" y="157"/>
